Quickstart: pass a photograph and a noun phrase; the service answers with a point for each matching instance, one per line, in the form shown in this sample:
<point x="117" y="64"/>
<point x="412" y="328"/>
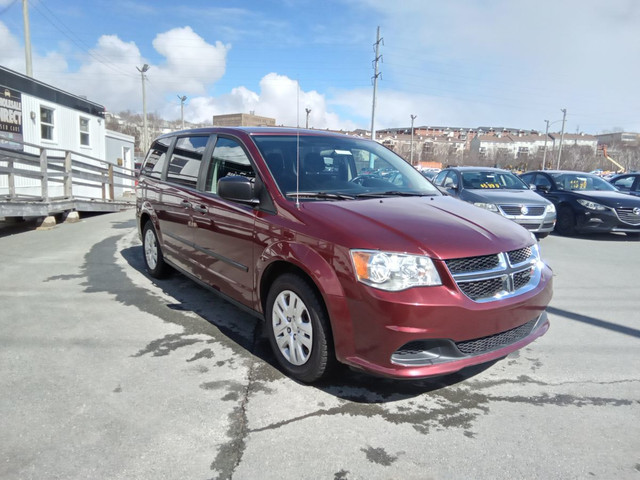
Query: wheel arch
<point x="321" y="277"/>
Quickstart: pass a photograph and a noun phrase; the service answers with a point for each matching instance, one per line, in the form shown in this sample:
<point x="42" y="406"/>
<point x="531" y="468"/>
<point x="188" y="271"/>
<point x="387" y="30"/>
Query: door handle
<point x="201" y="209"/>
<point x="186" y="204"/>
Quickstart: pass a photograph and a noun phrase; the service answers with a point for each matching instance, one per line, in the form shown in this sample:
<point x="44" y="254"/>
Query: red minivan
<point x="344" y="263"/>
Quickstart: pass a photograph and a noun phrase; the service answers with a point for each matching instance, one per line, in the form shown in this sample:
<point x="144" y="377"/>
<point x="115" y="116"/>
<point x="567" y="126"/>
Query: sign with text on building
<point x="10" y="118"/>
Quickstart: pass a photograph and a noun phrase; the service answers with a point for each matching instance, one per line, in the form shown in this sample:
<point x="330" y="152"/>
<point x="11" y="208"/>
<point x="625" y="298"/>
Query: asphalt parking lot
<point x="106" y="373"/>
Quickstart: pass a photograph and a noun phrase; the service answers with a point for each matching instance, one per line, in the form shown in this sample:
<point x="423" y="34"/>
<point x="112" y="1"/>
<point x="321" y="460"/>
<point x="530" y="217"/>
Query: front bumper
<point x="424" y="332"/>
<point x="539" y="224"/>
<point x="605" y="221"/>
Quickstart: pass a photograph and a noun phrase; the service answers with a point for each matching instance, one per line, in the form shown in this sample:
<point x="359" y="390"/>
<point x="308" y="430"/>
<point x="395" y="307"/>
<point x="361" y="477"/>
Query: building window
<point x="84" y="131"/>
<point x="46" y="123"/>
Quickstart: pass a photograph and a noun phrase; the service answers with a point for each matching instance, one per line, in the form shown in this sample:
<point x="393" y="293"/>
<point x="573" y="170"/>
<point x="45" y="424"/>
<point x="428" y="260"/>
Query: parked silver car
<point x="502" y="192"/>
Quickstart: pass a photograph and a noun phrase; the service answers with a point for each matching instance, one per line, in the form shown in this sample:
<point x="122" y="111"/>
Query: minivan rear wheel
<point x="298" y="329"/>
<point x="153" y="258"/>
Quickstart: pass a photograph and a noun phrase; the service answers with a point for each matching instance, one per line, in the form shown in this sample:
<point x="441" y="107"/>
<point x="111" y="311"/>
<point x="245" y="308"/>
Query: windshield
<point x="581" y="181"/>
<point x="345" y="166"/>
<point x="491" y="180"/>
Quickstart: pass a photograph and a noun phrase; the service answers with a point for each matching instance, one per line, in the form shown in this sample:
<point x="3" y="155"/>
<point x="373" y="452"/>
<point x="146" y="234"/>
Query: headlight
<point x="551" y="208"/>
<point x="488" y="206"/>
<point x="591" y="205"/>
<point x="394" y="271"/>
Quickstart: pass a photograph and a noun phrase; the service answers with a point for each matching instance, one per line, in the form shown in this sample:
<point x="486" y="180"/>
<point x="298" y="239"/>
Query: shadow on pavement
<point x="246" y="332"/>
<point x="596" y="322"/>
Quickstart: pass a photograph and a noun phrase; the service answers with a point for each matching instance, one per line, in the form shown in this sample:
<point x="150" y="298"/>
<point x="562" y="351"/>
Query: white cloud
<point x="278" y="98"/>
<point x="192" y="66"/>
<point x="191" y="63"/>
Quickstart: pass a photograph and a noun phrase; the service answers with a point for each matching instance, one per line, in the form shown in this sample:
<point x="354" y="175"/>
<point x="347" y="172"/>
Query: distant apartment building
<point x="243" y="120"/>
<point x="509" y="148"/>
<point x="622" y="139"/>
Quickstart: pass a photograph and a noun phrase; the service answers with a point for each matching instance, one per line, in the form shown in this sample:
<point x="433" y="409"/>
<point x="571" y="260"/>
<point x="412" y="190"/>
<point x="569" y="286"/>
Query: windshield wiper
<point x="321" y="195"/>
<point x="394" y="193"/>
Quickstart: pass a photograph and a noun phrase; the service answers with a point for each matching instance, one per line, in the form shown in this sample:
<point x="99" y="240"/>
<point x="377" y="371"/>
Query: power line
<point x="59" y="25"/>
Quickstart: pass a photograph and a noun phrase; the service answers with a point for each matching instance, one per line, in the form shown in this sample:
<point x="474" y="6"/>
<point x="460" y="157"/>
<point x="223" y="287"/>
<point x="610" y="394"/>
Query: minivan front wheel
<point x="153" y="258"/>
<point x="298" y="329"/>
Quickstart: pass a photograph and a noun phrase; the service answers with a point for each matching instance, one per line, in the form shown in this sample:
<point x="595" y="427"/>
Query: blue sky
<point x="455" y="63"/>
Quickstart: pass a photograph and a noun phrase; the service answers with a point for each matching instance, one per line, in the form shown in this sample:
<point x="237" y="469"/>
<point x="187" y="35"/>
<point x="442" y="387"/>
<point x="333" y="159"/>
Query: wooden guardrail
<point x="57" y="166"/>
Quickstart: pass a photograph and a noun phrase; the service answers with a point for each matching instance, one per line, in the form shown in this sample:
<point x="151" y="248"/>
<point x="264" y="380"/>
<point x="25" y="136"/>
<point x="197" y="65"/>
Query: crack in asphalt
<point x="230" y="454"/>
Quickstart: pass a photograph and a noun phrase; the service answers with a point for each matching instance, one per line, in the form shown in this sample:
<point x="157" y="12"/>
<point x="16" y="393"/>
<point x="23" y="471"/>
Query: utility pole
<point x="27" y="38"/>
<point x="546" y="136"/>
<point x="308" y="110"/>
<point x="182" y="100"/>
<point x="413" y="117"/>
<point x="375" y="82"/>
<point x="564" y="116"/>
<point x="144" y="146"/>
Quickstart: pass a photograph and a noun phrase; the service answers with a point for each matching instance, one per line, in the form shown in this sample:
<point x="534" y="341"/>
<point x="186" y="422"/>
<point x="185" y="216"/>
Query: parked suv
<point x="395" y="279"/>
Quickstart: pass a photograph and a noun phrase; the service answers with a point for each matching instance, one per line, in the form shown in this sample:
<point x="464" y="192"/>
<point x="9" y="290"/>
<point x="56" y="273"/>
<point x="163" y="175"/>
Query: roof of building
<point x="30" y="86"/>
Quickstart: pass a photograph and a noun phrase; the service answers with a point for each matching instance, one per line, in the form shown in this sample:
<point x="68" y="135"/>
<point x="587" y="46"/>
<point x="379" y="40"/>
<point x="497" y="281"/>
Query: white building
<point x="34" y="115"/>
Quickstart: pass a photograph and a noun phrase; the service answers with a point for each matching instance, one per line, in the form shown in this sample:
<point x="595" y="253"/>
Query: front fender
<point x="305" y="258"/>
<point x="323" y="275"/>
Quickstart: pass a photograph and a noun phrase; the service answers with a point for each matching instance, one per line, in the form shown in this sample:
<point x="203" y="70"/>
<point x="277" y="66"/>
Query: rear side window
<point x="156" y="158"/>
<point x="186" y="158"/>
<point x="542" y="181"/>
<point x="623" y="183"/>
<point x="228" y="158"/>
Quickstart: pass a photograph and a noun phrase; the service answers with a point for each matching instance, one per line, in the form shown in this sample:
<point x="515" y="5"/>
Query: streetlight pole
<point x="142" y="71"/>
<point x="413" y="117"/>
<point x="27" y="38"/>
<point x="182" y="100"/>
<point x="308" y="110"/>
<point x="546" y="137"/>
<point x="564" y="116"/>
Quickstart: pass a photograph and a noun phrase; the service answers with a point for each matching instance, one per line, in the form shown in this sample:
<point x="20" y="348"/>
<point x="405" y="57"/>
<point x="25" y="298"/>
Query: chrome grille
<point x="494" y="342"/>
<point x="472" y="264"/>
<point x="520" y="279"/>
<point x="482" y="289"/>
<point x="516" y="210"/>
<point x="626" y="215"/>
<point x="519" y="256"/>
<point x="493" y="277"/>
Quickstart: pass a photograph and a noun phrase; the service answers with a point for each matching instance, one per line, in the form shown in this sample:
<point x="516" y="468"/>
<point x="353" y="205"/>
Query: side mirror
<point x="542" y="188"/>
<point x="238" y="189"/>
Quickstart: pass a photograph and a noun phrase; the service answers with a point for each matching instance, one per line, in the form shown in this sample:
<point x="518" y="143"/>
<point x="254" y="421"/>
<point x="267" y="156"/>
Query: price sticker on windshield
<point x="578" y="184"/>
<point x="489" y="185"/>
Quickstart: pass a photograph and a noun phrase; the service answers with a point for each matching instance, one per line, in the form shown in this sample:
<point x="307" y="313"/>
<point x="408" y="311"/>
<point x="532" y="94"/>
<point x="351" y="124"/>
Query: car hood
<point x="440" y="227"/>
<point x="609" y="198"/>
<point x="503" y="197"/>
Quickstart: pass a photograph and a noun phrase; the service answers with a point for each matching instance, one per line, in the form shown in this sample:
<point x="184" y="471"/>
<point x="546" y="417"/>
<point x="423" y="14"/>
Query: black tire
<point x="565" y="221"/>
<point x="152" y="253"/>
<point x="298" y="328"/>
